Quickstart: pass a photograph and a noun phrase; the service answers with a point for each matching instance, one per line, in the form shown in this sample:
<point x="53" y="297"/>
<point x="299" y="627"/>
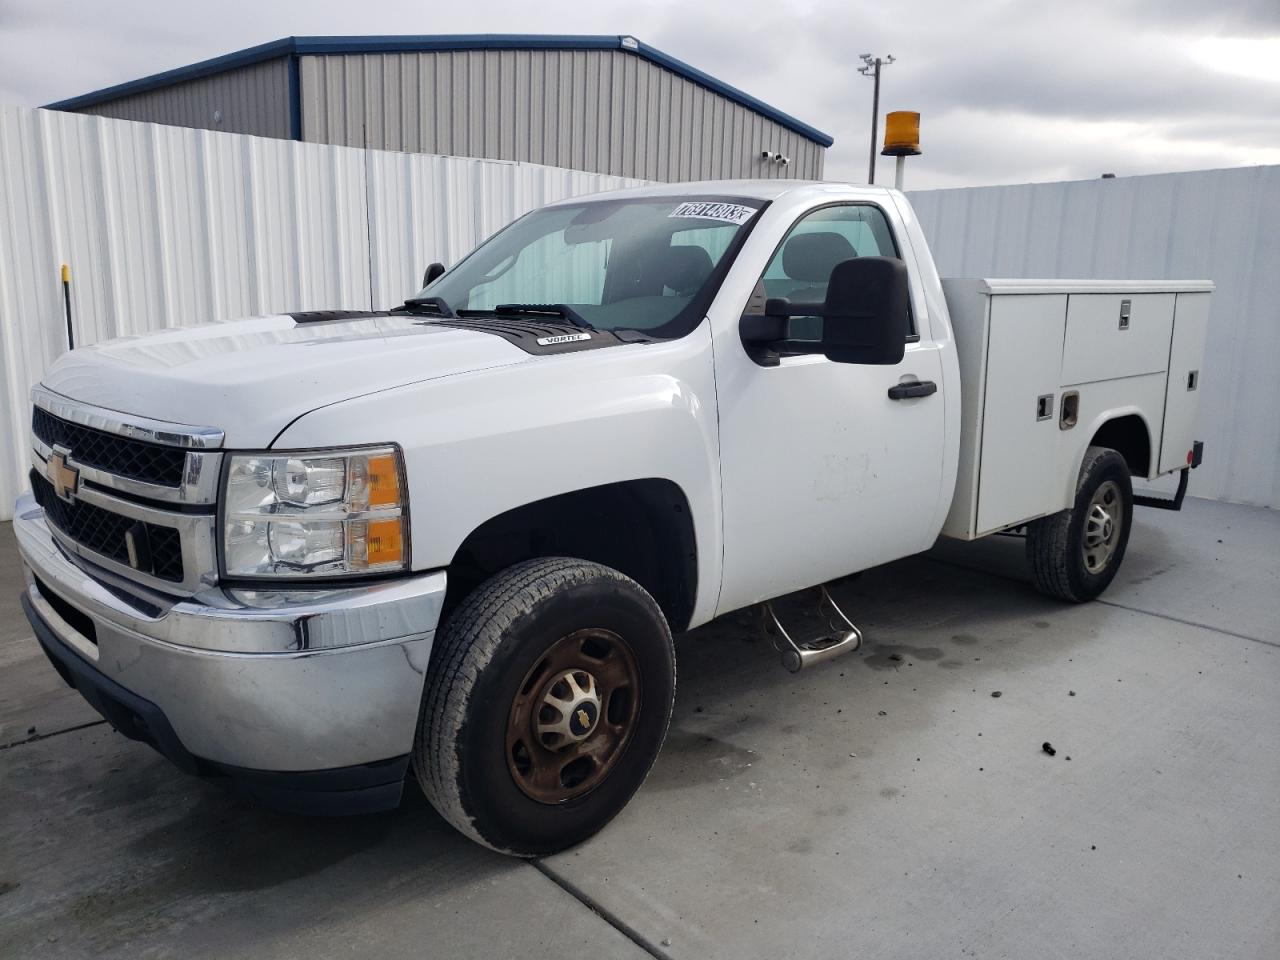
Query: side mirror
<point x="866" y="314"/>
<point x="767" y="327"/>
<point x="434" y="272"/>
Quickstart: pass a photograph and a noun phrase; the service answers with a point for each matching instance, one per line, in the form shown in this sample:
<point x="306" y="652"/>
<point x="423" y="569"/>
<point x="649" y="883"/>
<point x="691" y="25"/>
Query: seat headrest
<point x="683" y="269"/>
<point x="812" y="256"/>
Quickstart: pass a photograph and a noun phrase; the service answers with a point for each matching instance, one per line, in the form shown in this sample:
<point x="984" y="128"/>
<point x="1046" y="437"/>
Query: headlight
<point x="332" y="513"/>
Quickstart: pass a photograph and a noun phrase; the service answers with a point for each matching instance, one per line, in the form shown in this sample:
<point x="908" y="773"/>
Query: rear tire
<point x="547" y="699"/>
<point x="1075" y="554"/>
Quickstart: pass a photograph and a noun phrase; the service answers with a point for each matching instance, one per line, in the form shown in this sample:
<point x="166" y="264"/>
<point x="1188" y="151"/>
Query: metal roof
<point x="302" y="46"/>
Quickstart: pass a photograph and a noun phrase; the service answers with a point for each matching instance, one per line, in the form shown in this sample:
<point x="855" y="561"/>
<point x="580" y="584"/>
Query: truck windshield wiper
<point x="562" y="310"/>
<point x="435" y="305"/>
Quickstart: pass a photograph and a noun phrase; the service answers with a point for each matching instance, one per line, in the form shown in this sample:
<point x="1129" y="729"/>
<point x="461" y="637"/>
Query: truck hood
<point x="253" y="377"/>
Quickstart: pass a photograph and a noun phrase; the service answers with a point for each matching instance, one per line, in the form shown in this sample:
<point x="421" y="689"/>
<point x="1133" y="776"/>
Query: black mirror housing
<point x="434" y="272"/>
<point x="866" y="316"/>
<point x="758" y="328"/>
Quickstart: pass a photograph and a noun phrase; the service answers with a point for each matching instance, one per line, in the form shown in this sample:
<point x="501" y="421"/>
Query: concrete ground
<point x="884" y="805"/>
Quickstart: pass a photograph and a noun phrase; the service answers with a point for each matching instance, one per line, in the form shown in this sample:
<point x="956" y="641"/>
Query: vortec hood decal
<point x="563" y="338"/>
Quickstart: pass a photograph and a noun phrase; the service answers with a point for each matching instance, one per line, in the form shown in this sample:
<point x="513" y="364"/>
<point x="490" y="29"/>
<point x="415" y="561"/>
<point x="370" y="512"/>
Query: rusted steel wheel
<point x="572" y="718"/>
<point x="546" y="701"/>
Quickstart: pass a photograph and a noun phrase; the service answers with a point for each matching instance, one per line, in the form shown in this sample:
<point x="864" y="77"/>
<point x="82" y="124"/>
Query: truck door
<point x="823" y="474"/>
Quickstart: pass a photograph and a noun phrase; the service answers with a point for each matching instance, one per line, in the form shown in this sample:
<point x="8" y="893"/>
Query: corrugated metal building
<point x="601" y="104"/>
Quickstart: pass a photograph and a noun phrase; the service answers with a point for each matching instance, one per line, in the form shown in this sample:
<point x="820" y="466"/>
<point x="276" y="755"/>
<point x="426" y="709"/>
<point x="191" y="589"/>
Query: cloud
<point x="1009" y="91"/>
<point x="1037" y="148"/>
<point x="1247" y="15"/>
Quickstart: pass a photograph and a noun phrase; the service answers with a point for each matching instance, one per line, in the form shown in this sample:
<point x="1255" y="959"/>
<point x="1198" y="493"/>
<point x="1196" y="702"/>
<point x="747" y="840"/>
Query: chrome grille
<point x="132" y="495"/>
<point x="123" y="456"/>
<point x="105" y="533"/>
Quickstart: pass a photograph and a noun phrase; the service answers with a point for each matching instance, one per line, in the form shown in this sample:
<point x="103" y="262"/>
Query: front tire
<point x="1075" y="554"/>
<point x="547" y="699"/>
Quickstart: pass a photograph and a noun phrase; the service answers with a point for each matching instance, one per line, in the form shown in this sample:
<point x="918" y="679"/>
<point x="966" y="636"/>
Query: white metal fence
<point x="1223" y="225"/>
<point x="165" y="225"/>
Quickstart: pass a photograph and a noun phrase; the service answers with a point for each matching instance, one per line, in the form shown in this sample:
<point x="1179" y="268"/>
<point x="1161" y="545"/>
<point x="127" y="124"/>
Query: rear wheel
<point x="1075" y="554"/>
<point x="546" y="702"/>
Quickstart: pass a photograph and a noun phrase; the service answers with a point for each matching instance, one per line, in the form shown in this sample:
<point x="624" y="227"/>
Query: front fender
<point x="479" y="444"/>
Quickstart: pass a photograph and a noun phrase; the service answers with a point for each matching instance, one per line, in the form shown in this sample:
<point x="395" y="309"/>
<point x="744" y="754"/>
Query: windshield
<point x="638" y="264"/>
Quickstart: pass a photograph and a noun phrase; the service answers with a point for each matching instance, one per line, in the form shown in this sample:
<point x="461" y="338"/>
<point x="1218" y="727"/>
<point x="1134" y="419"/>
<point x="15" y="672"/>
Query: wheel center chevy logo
<point x="64" y="477"/>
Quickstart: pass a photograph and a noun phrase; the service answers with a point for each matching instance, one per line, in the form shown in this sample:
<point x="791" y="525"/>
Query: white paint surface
<point x="1220" y="225"/>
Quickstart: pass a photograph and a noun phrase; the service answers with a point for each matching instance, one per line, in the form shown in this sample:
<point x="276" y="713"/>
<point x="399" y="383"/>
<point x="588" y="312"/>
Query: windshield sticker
<point x="563" y="338"/>
<point x="710" y="210"/>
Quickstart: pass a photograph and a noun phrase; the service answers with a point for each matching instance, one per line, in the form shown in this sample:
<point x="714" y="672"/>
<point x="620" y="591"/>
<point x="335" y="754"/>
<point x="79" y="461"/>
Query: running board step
<point x="798" y="654"/>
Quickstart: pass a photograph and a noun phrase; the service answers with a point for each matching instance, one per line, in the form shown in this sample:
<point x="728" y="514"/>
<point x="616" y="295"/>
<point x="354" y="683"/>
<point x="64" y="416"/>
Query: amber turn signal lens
<point x="384" y="482"/>
<point x="384" y="542"/>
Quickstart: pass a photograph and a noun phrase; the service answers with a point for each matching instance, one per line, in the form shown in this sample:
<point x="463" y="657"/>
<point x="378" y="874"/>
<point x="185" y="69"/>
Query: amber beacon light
<point x="901" y="139"/>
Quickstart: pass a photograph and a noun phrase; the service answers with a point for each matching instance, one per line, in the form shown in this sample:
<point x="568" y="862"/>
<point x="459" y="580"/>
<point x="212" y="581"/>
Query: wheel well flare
<point x="642" y="528"/>
<point x="1128" y="436"/>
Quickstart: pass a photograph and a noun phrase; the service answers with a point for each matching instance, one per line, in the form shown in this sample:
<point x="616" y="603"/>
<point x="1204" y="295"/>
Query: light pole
<point x="871" y="68"/>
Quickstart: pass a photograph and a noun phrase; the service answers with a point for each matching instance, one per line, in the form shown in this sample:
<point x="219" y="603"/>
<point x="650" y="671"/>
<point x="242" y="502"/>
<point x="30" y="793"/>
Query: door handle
<point x="905" y="391"/>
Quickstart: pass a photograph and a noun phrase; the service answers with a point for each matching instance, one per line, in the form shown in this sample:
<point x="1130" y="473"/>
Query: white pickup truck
<point x="307" y="553"/>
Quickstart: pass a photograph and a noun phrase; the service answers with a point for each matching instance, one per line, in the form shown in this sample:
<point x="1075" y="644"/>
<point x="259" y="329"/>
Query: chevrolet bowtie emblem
<point x="584" y="718"/>
<point x="65" y="478"/>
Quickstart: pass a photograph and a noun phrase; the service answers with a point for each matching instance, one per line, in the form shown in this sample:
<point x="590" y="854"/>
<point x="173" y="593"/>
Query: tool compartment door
<point x="1107" y="340"/>
<point x="1182" y="395"/>
<point x="1020" y="429"/>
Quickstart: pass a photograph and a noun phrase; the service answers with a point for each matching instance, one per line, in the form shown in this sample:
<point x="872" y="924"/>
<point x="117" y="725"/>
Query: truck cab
<point x="314" y="555"/>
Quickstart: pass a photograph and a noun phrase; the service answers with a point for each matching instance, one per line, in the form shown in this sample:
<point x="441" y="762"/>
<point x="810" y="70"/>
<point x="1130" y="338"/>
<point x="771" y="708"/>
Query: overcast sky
<point x="1010" y="91"/>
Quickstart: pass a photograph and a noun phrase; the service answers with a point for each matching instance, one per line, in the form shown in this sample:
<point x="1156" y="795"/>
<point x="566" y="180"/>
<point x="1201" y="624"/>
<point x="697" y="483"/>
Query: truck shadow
<point x="109" y="851"/>
<point x="931" y="628"/>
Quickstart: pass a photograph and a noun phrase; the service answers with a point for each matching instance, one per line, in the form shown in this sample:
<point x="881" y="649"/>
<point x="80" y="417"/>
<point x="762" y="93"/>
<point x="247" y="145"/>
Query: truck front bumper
<point x="306" y="700"/>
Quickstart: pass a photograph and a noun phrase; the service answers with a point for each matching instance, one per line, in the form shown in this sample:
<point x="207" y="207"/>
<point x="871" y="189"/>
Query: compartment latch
<point x="1044" y="406"/>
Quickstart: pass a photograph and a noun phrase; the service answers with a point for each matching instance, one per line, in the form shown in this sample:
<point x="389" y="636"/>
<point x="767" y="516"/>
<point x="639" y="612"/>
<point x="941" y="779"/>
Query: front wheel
<point x="546" y="702"/>
<point x="1075" y="554"/>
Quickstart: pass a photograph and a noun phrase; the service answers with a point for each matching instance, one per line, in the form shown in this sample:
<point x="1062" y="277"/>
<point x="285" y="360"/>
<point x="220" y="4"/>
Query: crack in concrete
<point x="56" y="733"/>
<point x="608" y="916"/>
<point x="1190" y="623"/>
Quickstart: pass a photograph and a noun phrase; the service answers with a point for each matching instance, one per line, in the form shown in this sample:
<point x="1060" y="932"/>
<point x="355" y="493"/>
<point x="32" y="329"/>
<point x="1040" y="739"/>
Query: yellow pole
<point x="66" y="303"/>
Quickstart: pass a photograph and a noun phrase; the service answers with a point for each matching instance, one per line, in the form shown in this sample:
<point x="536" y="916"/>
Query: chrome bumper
<point x="262" y="681"/>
